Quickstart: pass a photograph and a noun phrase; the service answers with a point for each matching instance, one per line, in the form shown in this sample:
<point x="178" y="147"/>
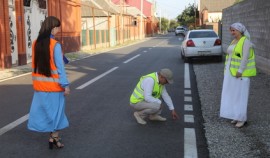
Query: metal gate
<point x="33" y="16"/>
<point x="13" y="32"/>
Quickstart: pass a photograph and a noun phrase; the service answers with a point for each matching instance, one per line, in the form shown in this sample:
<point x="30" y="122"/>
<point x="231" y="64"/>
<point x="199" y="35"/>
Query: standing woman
<point x="239" y="67"/>
<point x="50" y="83"/>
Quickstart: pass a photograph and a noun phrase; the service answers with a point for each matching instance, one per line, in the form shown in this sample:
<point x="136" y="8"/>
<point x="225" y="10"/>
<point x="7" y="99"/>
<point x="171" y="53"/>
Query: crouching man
<point x="145" y="98"/>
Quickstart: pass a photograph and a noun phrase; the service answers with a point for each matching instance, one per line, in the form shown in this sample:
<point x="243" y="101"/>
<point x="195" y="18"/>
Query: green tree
<point x="173" y="24"/>
<point x="187" y="17"/>
<point x="164" y="24"/>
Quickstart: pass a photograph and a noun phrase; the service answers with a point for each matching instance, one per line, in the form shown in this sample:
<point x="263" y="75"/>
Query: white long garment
<point x="235" y="92"/>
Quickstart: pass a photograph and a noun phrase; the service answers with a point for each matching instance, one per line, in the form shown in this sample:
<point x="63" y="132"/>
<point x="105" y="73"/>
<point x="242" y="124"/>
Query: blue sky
<point x="172" y="8"/>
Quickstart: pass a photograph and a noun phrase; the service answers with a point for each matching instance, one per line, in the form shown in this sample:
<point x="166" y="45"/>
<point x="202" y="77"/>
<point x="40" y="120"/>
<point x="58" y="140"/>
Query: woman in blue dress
<point x="50" y="83"/>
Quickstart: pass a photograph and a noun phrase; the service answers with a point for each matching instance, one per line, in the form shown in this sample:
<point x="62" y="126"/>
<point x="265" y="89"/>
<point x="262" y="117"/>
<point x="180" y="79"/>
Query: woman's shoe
<point x="240" y="124"/>
<point x="233" y="121"/>
<point x="57" y="143"/>
<point x="50" y="143"/>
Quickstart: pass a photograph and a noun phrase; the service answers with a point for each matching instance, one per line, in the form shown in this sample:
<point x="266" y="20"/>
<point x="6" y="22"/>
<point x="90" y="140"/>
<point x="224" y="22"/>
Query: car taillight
<point x="217" y="42"/>
<point x="190" y="43"/>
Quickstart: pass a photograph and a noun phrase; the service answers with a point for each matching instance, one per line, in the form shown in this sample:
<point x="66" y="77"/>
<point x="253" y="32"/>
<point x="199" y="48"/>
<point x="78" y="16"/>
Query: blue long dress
<point x="47" y="112"/>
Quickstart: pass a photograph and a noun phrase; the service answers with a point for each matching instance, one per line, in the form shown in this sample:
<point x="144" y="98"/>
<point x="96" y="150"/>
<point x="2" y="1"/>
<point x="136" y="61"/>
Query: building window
<point x="11" y="2"/>
<point x="41" y="3"/>
<point x="27" y="3"/>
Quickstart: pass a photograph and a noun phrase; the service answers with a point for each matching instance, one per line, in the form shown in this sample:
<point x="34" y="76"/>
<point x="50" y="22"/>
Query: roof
<point x="108" y="6"/>
<point x="86" y="8"/>
<point x="133" y="11"/>
<point x="215" y="6"/>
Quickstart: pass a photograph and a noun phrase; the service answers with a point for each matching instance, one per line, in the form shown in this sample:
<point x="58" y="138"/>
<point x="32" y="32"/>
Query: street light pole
<point x="195" y="10"/>
<point x="141" y="30"/>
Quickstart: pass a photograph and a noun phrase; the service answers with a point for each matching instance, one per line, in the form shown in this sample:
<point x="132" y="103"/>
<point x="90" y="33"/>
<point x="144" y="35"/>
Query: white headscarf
<point x="241" y="28"/>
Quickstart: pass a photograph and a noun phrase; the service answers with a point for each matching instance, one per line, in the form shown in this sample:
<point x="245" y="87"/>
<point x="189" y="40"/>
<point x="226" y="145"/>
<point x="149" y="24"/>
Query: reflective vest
<point x="137" y="95"/>
<point x="237" y="55"/>
<point x="42" y="82"/>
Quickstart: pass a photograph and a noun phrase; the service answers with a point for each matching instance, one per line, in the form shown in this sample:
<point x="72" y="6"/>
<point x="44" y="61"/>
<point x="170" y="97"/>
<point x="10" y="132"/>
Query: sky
<point x="172" y="8"/>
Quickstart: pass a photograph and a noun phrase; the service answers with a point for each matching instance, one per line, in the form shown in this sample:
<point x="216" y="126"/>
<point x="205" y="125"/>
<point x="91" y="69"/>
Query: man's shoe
<point x="157" y="118"/>
<point x="139" y="119"/>
<point x="240" y="124"/>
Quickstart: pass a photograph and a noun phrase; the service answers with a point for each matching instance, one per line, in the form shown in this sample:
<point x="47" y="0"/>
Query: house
<point x="210" y="13"/>
<point x="20" y="23"/>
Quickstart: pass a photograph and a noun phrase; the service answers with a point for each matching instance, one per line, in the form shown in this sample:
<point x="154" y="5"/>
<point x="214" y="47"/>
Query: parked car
<point x="180" y="30"/>
<point x="198" y="43"/>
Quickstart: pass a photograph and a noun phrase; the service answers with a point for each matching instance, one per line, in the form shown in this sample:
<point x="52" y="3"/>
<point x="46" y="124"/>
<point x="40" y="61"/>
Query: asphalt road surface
<point x="101" y="121"/>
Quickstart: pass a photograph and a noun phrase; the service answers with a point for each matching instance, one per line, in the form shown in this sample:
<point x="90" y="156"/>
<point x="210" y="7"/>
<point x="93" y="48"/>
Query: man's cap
<point x="167" y="73"/>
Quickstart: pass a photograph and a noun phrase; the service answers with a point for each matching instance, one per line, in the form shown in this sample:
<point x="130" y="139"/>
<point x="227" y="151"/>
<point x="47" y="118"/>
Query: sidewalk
<point x="224" y="140"/>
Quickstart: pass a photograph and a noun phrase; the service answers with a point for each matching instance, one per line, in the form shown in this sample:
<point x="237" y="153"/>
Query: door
<point x="13" y="33"/>
<point x="33" y="16"/>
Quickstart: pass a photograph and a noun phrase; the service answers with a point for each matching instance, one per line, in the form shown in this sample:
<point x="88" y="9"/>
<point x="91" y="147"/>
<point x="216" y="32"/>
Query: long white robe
<point x="235" y="92"/>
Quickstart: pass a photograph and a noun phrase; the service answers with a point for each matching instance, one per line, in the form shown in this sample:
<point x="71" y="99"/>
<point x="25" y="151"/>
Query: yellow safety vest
<point x="237" y="55"/>
<point x="137" y="95"/>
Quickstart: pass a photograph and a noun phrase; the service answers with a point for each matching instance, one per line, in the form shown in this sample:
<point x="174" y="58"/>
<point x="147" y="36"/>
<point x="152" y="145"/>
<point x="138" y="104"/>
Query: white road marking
<point x="190" y="148"/>
<point x="145" y="51"/>
<point x="96" y="78"/>
<point x="15" y="77"/>
<point x="187" y="92"/>
<point x="187" y="77"/>
<point x="188" y="99"/>
<point x="13" y="124"/>
<point x="189" y="118"/>
<point x="131" y="58"/>
<point x="188" y="107"/>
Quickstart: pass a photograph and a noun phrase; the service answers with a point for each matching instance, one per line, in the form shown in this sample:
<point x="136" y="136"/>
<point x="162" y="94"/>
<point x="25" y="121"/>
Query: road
<point x="101" y="122"/>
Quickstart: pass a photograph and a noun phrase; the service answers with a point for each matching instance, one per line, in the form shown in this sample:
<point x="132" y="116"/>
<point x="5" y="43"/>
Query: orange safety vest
<point x="42" y="82"/>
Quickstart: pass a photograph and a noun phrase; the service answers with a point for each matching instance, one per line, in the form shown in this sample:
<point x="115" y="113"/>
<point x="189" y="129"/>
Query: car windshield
<point x="202" y="34"/>
<point x="179" y="28"/>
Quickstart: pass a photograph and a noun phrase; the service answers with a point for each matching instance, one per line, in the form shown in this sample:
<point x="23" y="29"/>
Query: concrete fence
<point x="255" y="15"/>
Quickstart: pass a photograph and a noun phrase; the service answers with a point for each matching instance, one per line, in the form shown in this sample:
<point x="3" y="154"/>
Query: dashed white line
<point x="188" y="107"/>
<point x="13" y="124"/>
<point x="96" y="78"/>
<point x="188" y="99"/>
<point x="190" y="149"/>
<point x="189" y="118"/>
<point x="131" y="58"/>
<point x="187" y="77"/>
<point x="187" y="92"/>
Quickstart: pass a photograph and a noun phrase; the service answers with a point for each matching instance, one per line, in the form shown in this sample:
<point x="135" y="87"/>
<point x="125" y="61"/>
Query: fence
<point x="110" y="26"/>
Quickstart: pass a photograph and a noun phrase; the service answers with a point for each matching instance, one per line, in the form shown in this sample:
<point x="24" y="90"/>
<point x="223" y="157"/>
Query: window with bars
<point x="41" y="3"/>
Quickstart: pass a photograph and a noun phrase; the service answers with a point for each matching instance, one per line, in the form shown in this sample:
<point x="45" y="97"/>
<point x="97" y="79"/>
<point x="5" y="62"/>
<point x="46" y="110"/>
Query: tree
<point x="164" y="24"/>
<point x="173" y="24"/>
<point x="187" y="17"/>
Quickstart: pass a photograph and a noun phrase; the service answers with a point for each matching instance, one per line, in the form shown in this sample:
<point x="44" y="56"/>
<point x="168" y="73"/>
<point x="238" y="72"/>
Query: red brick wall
<point x="22" y="59"/>
<point x="69" y="12"/>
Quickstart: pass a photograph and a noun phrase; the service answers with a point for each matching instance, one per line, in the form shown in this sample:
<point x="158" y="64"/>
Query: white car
<point x="180" y="30"/>
<point x="198" y="43"/>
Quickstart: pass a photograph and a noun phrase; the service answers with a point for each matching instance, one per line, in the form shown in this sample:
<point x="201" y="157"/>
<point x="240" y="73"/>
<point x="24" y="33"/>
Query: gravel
<point x="224" y="140"/>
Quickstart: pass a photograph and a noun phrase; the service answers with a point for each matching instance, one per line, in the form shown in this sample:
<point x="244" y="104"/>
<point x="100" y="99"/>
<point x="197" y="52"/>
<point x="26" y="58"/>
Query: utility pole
<point x="141" y="24"/>
<point x="160" y="20"/>
<point x="195" y="10"/>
